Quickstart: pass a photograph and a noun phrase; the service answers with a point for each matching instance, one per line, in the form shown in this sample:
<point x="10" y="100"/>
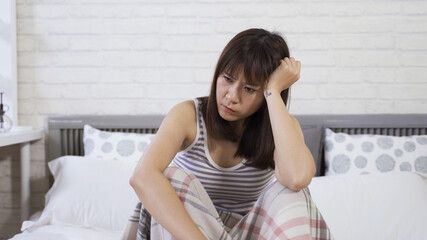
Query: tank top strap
<point x="201" y="128"/>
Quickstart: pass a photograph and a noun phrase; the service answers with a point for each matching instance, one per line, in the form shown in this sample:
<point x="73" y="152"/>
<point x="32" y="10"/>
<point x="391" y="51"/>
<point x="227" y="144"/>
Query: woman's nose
<point x="233" y="94"/>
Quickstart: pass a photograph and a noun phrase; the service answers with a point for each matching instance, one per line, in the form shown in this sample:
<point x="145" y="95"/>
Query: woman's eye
<point x="228" y="79"/>
<point x="249" y="89"/>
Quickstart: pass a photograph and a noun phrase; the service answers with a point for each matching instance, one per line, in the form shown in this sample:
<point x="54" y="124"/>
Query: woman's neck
<point x="238" y="128"/>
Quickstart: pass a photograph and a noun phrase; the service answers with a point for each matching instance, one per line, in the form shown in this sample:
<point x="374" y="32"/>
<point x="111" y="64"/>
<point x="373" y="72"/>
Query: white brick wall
<point x="141" y="57"/>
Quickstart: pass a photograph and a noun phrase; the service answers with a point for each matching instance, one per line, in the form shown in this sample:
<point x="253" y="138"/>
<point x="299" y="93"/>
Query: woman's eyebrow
<point x="229" y="75"/>
<point x="244" y="82"/>
<point x="251" y="84"/>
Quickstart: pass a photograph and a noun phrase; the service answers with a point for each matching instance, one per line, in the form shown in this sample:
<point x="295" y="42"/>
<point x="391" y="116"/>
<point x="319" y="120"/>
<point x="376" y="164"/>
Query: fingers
<point x="288" y="61"/>
<point x="293" y="64"/>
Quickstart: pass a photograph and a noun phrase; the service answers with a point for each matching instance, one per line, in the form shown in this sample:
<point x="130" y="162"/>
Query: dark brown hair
<point x="256" y="53"/>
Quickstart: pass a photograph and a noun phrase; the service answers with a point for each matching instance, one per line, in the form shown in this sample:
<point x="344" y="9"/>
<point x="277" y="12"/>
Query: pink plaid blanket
<point x="279" y="213"/>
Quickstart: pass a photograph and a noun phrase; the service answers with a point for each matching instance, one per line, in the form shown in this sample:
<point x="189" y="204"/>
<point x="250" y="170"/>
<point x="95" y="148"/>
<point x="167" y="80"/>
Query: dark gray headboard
<point x="65" y="133"/>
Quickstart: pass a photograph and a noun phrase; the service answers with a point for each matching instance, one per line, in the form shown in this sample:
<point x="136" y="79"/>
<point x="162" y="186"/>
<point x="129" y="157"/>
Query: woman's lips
<point x="229" y="110"/>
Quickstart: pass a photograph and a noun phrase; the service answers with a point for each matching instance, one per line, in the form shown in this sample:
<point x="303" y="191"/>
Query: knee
<point x="179" y="177"/>
<point x="172" y="169"/>
<point x="276" y="188"/>
<point x="276" y="192"/>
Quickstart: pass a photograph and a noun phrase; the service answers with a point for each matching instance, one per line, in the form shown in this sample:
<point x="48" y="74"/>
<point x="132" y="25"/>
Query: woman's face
<point x="237" y="99"/>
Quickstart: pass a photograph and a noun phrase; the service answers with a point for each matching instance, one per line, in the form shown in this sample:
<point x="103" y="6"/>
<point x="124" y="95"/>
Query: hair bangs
<point x="234" y="63"/>
<point x="258" y="66"/>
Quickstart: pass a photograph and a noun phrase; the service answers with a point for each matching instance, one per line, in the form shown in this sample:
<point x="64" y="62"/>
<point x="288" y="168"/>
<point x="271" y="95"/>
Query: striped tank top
<point x="233" y="189"/>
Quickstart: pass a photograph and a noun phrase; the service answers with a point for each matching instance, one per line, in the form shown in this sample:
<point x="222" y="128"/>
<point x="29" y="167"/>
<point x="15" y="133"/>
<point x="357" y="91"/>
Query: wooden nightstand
<point x="23" y="138"/>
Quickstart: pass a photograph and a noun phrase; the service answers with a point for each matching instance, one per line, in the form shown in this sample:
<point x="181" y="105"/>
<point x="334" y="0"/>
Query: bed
<point x="370" y="181"/>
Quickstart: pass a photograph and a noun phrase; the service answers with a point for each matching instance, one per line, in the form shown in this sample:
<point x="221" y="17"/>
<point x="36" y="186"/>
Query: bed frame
<point x="65" y="133"/>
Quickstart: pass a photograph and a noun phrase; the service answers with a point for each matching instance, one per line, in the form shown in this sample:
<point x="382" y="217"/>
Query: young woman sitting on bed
<point x="210" y="172"/>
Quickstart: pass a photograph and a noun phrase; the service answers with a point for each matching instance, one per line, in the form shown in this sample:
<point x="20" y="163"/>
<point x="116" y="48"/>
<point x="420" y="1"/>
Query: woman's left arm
<point x="294" y="164"/>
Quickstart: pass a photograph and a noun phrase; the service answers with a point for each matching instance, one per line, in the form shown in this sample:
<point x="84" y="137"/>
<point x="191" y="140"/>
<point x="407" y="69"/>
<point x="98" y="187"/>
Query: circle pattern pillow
<point x="114" y="145"/>
<point x="367" y="153"/>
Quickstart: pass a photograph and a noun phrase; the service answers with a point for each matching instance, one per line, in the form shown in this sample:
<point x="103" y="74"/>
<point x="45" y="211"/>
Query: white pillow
<point x="115" y="145"/>
<point x="377" y="206"/>
<point x="364" y="154"/>
<point x="89" y="192"/>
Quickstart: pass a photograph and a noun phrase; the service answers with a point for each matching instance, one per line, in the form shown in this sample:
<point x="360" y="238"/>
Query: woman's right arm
<point x="154" y="190"/>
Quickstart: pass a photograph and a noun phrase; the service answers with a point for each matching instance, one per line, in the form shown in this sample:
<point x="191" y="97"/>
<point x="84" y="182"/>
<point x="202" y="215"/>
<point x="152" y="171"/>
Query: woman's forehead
<point x="233" y="70"/>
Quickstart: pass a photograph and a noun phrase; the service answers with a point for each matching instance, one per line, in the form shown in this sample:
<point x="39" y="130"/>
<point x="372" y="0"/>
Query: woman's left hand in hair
<point x="286" y="74"/>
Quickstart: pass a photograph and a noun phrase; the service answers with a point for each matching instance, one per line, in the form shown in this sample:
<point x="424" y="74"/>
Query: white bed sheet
<point x="64" y="232"/>
<point x="384" y="206"/>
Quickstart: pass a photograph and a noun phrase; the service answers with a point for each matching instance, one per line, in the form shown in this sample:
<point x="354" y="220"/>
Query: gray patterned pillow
<point x="365" y="154"/>
<point x="114" y="145"/>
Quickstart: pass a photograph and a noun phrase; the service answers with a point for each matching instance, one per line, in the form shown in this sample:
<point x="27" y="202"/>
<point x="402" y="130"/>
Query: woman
<point x="227" y="150"/>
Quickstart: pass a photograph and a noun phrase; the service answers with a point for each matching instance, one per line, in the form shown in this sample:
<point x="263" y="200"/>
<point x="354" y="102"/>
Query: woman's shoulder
<point x="182" y="119"/>
<point x="184" y="109"/>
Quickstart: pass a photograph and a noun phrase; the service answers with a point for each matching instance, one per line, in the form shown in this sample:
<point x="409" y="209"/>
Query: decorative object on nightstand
<point x="5" y="121"/>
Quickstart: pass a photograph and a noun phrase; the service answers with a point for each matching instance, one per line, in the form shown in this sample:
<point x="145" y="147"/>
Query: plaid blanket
<point x="279" y="213"/>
